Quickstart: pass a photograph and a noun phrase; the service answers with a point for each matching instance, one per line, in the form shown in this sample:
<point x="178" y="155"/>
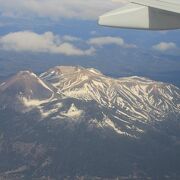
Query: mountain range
<point x="74" y="122"/>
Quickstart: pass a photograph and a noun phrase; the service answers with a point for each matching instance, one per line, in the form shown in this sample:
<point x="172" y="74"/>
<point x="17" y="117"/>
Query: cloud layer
<point x="27" y="41"/>
<point x="108" y="40"/>
<point x="43" y="43"/>
<point x="165" y="46"/>
<point x="79" y="9"/>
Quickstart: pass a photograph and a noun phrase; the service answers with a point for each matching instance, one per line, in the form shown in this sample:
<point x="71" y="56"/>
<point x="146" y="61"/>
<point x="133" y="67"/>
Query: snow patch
<point x="31" y="103"/>
<point x="57" y="117"/>
<point x="94" y="71"/>
<point x="135" y="128"/>
<point x="2" y="84"/>
<point x="84" y="78"/>
<point x="59" y="105"/>
<point x="109" y="123"/>
<point x="73" y="112"/>
<point x="46" y="113"/>
<point x="34" y="102"/>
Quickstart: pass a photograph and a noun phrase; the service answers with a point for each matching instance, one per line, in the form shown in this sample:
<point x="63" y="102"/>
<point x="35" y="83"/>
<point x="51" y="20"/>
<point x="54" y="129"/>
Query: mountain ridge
<point x="75" y="123"/>
<point x="131" y="102"/>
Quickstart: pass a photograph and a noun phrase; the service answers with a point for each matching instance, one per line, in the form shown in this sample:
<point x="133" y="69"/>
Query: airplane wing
<point x="145" y="14"/>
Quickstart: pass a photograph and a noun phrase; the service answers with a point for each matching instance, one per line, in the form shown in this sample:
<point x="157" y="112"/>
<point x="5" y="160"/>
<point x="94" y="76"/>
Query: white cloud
<point x="47" y="42"/>
<point x="108" y="40"/>
<point x="165" y="46"/>
<point x="27" y="41"/>
<point x="80" y="9"/>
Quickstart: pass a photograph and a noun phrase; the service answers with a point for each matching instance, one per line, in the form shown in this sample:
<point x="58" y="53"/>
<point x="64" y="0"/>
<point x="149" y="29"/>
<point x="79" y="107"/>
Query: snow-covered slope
<point x="132" y="97"/>
<point x="124" y="105"/>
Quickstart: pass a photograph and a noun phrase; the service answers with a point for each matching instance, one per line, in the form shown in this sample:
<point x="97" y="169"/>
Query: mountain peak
<point x="23" y="79"/>
<point x="76" y="74"/>
<point x="95" y="71"/>
<point x="67" y="70"/>
<point x="27" y="74"/>
<point x="23" y="88"/>
<point x="59" y="70"/>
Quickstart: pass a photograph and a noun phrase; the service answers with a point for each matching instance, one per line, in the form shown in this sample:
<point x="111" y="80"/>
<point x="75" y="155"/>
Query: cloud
<point x="165" y="46"/>
<point x="43" y="43"/>
<point x="79" y="9"/>
<point x="27" y="41"/>
<point x="108" y="40"/>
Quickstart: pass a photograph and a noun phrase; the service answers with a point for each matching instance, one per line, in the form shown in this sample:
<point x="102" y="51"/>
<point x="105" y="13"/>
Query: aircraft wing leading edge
<point x="145" y="14"/>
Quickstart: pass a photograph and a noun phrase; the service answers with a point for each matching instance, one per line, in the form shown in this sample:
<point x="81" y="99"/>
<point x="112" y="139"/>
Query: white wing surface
<point x="145" y="14"/>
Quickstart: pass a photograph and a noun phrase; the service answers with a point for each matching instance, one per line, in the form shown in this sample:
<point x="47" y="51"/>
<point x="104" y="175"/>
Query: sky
<point x="68" y="30"/>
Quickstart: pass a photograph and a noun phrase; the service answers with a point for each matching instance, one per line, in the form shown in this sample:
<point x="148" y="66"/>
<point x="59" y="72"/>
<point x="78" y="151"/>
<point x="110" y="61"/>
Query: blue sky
<point x="76" y="18"/>
<point x="68" y="30"/>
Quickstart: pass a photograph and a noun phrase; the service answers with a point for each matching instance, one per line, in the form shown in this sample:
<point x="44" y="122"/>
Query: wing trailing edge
<point x="159" y="4"/>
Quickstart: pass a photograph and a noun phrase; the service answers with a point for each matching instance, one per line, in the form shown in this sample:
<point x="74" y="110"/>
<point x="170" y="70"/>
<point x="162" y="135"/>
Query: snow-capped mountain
<point x="77" y="121"/>
<point x="132" y="94"/>
<point x="123" y="101"/>
<point x="24" y="89"/>
<point x="133" y="97"/>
